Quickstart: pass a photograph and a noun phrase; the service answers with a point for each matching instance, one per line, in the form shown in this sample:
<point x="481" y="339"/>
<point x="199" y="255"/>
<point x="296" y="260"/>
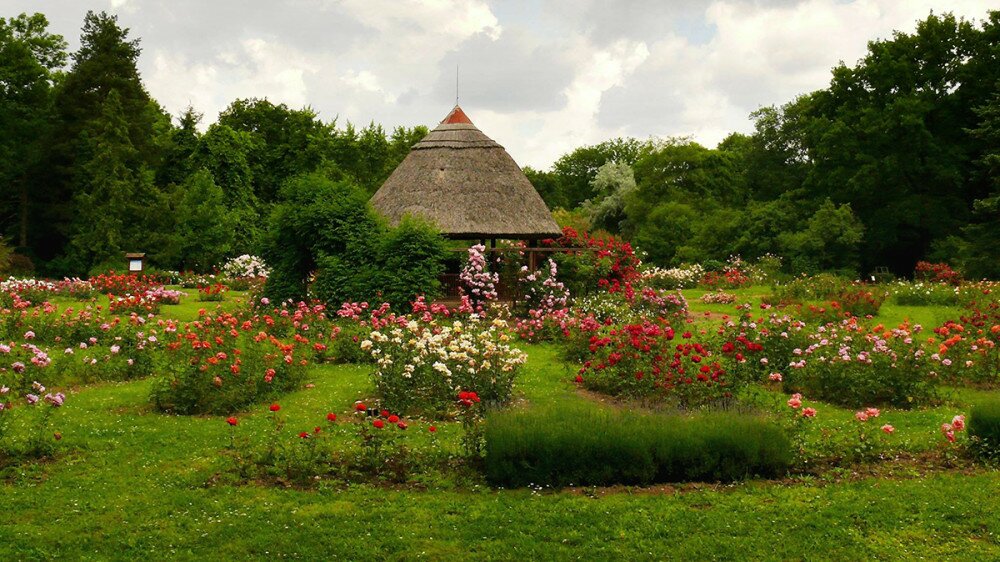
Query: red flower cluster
<point x="467" y="399"/>
<point x="614" y="260"/>
<point x="937" y="272"/>
<point x="641" y="360"/>
<point x="123" y="284"/>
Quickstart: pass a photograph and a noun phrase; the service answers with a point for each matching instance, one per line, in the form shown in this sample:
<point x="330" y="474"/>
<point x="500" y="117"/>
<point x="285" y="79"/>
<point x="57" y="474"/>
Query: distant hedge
<point x="588" y="446"/>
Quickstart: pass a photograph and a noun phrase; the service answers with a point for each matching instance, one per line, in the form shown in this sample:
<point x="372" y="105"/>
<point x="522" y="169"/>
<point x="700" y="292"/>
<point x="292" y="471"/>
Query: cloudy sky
<point x="541" y="77"/>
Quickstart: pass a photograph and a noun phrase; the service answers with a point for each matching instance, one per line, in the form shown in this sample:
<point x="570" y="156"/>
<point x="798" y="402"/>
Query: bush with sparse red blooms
<point x="614" y="262"/>
<point x="645" y="360"/>
<point x="937" y="272"/>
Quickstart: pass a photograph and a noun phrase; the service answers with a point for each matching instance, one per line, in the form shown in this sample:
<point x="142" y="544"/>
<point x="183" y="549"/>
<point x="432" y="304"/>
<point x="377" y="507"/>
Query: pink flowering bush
<point x="478" y="282"/>
<point x="843" y="362"/>
<point x="26" y="406"/>
<point x="849" y="365"/>
<point x="541" y="290"/>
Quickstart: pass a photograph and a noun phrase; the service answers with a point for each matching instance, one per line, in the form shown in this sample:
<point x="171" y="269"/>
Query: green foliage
<point x="829" y="241"/>
<point x="79" y="165"/>
<point x="575" y="171"/>
<point x="326" y="227"/>
<point x="116" y="200"/>
<point x="565" y="446"/>
<point x="984" y="427"/>
<point x="547" y="185"/>
<point x="29" y="59"/>
<point x="5" y="254"/>
<point x="411" y="261"/>
<point x="885" y="381"/>
<point x="225" y="153"/>
<point x="204" y="223"/>
<point x="612" y="185"/>
<point x="824" y="286"/>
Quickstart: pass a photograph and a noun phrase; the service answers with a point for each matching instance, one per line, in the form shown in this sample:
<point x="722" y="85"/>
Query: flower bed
<point x="219" y="364"/>
<point x="641" y="360"/>
<point x="683" y="277"/>
<point x="420" y="366"/>
<point x="842" y="363"/>
<point x="718" y="297"/>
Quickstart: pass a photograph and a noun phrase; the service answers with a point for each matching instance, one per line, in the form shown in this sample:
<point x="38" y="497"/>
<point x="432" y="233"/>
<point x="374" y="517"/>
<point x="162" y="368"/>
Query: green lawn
<point x="139" y="483"/>
<point x="186" y="311"/>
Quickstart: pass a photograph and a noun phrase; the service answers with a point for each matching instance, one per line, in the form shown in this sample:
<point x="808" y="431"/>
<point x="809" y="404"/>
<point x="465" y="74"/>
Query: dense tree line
<point x="91" y="166"/>
<point x="897" y="160"/>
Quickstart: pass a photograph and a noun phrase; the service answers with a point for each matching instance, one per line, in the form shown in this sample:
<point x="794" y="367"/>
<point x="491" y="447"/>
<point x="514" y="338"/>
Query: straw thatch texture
<point x="466" y="184"/>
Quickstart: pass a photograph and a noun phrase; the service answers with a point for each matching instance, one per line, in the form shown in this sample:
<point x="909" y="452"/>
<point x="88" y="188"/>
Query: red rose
<point x="331" y="417"/>
<point x="401" y="425"/>
<point x="317" y="429"/>
<point x="360" y="407"/>
<point x="379" y="424"/>
<point x="385" y="413"/>
<point x="232" y="421"/>
<point x="393" y="418"/>
<point x="304" y="434"/>
<point x="275" y="407"/>
<point x="432" y="429"/>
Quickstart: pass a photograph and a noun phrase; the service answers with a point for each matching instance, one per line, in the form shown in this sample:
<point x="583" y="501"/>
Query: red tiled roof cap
<point x="456" y="116"/>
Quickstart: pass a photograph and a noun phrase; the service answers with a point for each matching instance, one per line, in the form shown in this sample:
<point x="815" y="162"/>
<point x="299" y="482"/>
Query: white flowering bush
<point x="922" y="293"/>
<point x="423" y="366"/>
<point x="246" y="266"/>
<point x="683" y="277"/>
<point x="33" y="290"/>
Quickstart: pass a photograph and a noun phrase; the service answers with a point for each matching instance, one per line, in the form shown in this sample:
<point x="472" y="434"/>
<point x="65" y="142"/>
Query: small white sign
<point x="135" y="265"/>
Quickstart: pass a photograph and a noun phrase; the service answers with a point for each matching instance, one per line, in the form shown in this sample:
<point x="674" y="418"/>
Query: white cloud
<point x="757" y="56"/>
<point x="253" y="68"/>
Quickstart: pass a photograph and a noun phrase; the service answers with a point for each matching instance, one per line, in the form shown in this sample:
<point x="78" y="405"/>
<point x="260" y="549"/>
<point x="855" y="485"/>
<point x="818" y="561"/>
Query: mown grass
<point x="135" y="483"/>
<point x="186" y="311"/>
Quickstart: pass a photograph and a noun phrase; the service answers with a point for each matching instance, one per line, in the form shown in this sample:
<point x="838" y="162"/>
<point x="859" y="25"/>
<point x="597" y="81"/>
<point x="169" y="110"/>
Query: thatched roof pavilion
<point x="467" y="185"/>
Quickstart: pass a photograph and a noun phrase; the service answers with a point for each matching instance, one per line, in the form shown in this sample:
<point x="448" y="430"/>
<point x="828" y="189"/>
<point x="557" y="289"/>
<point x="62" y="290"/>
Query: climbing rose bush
<point x="478" y="282"/>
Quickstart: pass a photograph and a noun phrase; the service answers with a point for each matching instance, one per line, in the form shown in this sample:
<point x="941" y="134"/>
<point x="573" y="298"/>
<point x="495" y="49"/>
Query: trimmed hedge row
<point x="596" y="447"/>
<point x="984" y="428"/>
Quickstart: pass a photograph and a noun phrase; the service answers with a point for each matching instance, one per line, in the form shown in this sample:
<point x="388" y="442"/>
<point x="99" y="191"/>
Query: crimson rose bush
<point x="643" y="360"/>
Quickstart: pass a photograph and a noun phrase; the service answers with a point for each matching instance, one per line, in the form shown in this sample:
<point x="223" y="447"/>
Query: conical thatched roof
<point x="466" y="184"/>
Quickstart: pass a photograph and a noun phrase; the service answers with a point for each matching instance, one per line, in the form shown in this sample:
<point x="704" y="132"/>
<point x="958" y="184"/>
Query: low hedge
<point x="597" y="447"/>
<point x="984" y="428"/>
